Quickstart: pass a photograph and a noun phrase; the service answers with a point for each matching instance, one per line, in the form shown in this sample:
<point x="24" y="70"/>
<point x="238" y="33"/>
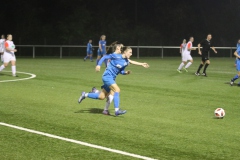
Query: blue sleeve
<point x="123" y="72"/>
<point x="88" y="46"/>
<point x="104" y="58"/>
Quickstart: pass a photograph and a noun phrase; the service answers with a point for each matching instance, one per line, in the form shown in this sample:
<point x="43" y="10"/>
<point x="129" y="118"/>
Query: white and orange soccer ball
<point x="219" y="113"/>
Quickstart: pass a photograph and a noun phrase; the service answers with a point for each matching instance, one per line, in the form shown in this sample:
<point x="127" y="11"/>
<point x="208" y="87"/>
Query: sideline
<point x="20" y="79"/>
<point x="77" y="142"/>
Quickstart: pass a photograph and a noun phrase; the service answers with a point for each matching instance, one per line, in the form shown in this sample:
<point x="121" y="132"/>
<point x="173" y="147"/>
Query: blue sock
<point x="116" y="99"/>
<point x="105" y="61"/>
<point x="86" y="57"/>
<point x="97" y="61"/>
<point x="234" y="78"/>
<point x="93" y="95"/>
<point x="91" y="57"/>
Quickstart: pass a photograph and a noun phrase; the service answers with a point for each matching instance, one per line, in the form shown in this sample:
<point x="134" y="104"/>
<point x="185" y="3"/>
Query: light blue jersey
<point x="116" y="65"/>
<point x="238" y="60"/>
<point x="89" y="48"/>
<point x="103" y="46"/>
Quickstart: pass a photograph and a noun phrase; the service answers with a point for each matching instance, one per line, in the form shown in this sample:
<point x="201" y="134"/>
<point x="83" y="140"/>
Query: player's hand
<point x="145" y="65"/>
<point x="14" y="50"/>
<point x="97" y="68"/>
<point x="200" y="52"/>
<point x="128" y="72"/>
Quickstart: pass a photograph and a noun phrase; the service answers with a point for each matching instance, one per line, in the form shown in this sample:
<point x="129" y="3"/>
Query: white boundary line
<point x="32" y="76"/>
<point x="77" y="142"/>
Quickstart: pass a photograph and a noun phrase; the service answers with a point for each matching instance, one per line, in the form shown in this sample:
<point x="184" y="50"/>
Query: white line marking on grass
<point x="20" y="79"/>
<point x="77" y="142"/>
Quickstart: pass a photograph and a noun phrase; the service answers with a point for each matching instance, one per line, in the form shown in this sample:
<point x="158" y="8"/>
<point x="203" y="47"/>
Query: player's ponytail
<point x="113" y="46"/>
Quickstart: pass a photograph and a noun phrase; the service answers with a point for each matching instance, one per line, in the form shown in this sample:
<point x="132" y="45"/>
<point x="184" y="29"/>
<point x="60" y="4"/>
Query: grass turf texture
<point x="170" y="115"/>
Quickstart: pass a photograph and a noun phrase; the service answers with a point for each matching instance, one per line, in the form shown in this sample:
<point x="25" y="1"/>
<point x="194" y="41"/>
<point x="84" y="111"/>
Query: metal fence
<point x="61" y="51"/>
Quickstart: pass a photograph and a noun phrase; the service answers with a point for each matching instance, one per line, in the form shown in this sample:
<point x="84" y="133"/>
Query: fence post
<point x="33" y="51"/>
<point x="231" y="52"/>
<point x="162" y="52"/>
<point x="137" y="52"/>
<point x="60" y="51"/>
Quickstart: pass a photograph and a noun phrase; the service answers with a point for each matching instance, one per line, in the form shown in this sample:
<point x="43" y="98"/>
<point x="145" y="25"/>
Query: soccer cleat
<point x="179" y="71"/>
<point x="231" y="83"/>
<point x="82" y="97"/>
<point x="14" y="75"/>
<point x="197" y="74"/>
<point x="185" y="69"/>
<point x="94" y="89"/>
<point x="120" y="112"/>
<point x="106" y="112"/>
<point x="204" y="74"/>
<point x="84" y="59"/>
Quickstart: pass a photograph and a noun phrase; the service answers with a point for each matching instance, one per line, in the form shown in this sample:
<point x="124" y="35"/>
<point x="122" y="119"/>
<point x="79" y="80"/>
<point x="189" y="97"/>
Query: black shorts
<point x="205" y="58"/>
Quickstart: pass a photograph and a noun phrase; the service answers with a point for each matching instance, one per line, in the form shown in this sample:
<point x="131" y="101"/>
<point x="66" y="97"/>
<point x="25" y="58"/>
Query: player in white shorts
<point x="9" y="55"/>
<point x="186" y="56"/>
<point x="2" y="40"/>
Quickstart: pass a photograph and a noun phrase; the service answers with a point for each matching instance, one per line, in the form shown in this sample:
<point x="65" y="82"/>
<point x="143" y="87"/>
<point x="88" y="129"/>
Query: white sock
<point x="2" y="67"/>
<point x="116" y="109"/>
<point x="180" y="66"/>
<point x="2" y="58"/>
<point x="86" y="95"/>
<point x="188" y="64"/>
<point x="14" y="70"/>
<point x="109" y="101"/>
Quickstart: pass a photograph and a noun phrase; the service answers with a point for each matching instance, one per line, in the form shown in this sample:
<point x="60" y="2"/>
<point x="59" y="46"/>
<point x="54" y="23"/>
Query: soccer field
<point x="169" y="115"/>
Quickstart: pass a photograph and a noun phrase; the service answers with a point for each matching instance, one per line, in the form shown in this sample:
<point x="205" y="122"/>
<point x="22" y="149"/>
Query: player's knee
<point x="101" y="97"/>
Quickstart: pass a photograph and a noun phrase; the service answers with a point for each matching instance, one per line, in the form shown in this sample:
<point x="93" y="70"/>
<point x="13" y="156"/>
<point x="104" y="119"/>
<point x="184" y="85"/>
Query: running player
<point x="119" y="61"/>
<point x="238" y="44"/>
<point x="9" y="55"/>
<point x="182" y="46"/>
<point x="206" y="46"/>
<point x="102" y="49"/>
<point x="237" y="54"/>
<point x="186" y="56"/>
<point x="2" y="40"/>
<point x="89" y="51"/>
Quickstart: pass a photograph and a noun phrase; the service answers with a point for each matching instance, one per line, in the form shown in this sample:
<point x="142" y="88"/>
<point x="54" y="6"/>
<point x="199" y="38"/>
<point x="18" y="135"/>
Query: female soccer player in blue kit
<point x="89" y="51"/>
<point x="237" y="54"/>
<point x="118" y="62"/>
<point x="102" y="49"/>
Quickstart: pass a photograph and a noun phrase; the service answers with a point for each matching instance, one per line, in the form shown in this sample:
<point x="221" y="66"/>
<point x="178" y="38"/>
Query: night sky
<point x="132" y="22"/>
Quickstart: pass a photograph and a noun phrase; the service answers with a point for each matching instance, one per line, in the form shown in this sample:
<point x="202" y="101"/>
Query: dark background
<point x="132" y="22"/>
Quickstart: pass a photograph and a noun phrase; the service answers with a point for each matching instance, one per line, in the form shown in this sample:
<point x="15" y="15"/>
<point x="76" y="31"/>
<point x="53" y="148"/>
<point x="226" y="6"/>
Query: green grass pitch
<point x="169" y="115"/>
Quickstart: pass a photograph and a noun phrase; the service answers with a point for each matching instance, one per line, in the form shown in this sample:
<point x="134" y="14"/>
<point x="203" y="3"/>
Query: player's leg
<point x="13" y="62"/>
<point x="116" y="98"/>
<point x="99" y="56"/>
<point x="205" y="67"/>
<point x="85" y="58"/>
<point x="91" y="95"/>
<point x="189" y="63"/>
<point x="237" y="75"/>
<point x="200" y="66"/>
<point x="2" y="57"/>
<point x="6" y="58"/>
<point x="184" y="60"/>
<point x="90" y="55"/>
<point x="106" y="60"/>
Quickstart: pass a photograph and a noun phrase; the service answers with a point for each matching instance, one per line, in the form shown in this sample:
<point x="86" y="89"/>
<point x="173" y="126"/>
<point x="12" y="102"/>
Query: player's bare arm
<point x="145" y="65"/>
<point x="236" y="54"/>
<point x="199" y="51"/>
<point x="214" y="49"/>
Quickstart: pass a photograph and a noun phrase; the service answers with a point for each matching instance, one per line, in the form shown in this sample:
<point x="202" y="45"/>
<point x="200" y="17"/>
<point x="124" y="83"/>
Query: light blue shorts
<point x="101" y="53"/>
<point x="108" y="80"/>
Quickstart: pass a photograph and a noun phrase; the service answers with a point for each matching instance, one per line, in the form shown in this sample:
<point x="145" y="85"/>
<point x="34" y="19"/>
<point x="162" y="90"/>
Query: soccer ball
<point x="219" y="113"/>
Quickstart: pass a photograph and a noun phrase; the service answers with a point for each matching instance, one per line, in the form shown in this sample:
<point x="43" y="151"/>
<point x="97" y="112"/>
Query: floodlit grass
<point x="169" y="115"/>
